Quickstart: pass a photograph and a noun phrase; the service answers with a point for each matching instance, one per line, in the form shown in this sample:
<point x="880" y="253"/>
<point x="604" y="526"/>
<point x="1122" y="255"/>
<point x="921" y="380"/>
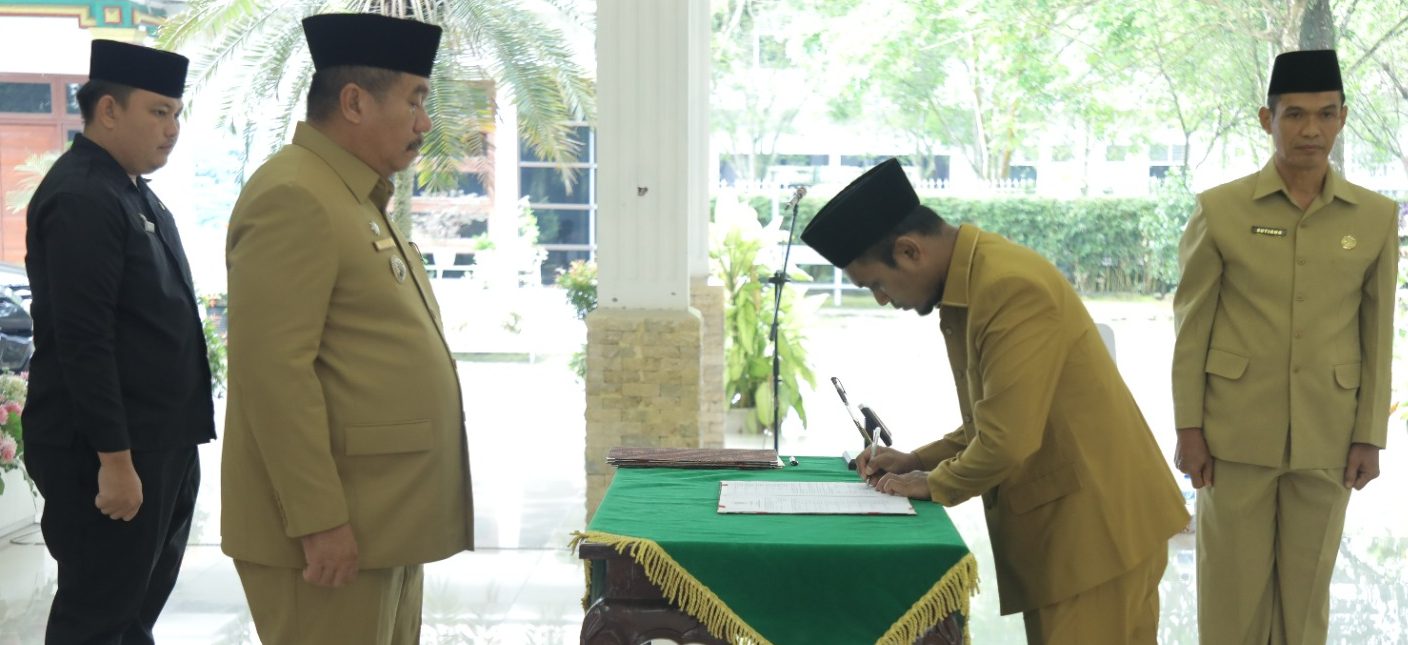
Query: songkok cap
<point x="861" y="214"/>
<point x="136" y="66"/>
<point x="372" y="40"/>
<point x="1315" y="70"/>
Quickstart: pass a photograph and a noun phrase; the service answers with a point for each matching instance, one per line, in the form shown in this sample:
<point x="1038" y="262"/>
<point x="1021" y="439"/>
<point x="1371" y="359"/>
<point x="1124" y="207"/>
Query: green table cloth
<point x="785" y="579"/>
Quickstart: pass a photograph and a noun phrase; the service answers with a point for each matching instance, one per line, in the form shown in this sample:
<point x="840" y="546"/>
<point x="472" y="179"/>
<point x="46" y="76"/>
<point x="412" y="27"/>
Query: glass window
<point x="1120" y="153"/>
<point x="473" y="228"/>
<point x="866" y="161"/>
<point x="472" y="184"/>
<point x="468" y="183"/>
<point x="545" y="186"/>
<point x="580" y="133"/>
<point x="561" y="259"/>
<point x="938" y="168"/>
<point x="26" y="98"/>
<point x="800" y="160"/>
<point x="72" y="89"/>
<point x="1024" y="173"/>
<point x="557" y="226"/>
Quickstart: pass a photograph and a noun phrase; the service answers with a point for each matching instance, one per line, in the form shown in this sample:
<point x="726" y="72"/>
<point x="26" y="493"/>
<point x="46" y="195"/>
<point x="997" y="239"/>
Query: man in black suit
<point x="119" y="393"/>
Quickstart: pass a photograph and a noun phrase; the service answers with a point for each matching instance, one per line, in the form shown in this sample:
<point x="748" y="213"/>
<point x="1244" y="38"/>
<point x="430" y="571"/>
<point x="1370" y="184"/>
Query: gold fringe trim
<point x="678" y="586"/>
<point x="950" y="594"/>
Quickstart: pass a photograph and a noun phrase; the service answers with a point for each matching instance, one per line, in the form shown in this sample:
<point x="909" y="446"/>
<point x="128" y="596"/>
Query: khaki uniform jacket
<point x="1075" y="488"/>
<point x="1284" y="321"/>
<point x="344" y="400"/>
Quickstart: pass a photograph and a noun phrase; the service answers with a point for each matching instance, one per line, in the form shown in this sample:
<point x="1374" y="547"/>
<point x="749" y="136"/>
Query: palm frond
<point x="250" y="54"/>
<point x="33" y="168"/>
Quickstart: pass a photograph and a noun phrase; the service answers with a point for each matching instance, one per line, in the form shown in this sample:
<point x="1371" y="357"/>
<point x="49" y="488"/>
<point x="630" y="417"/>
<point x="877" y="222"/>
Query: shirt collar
<point x="103" y="160"/>
<point x="960" y="265"/>
<point x="366" y="185"/>
<point x="1269" y="181"/>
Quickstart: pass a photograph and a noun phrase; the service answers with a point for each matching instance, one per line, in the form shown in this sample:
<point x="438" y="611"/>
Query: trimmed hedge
<point x="1102" y="245"/>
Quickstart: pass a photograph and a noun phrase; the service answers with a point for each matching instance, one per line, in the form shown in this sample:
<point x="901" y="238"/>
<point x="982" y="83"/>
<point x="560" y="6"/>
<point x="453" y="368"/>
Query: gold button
<point x="1300" y="334"/>
<point x="1301" y="261"/>
<point x="1300" y="297"/>
<point x="967" y="418"/>
<point x="947" y="331"/>
<point x="1295" y="370"/>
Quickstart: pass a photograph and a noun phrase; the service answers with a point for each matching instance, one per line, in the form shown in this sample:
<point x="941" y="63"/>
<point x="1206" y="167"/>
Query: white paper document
<point x="808" y="498"/>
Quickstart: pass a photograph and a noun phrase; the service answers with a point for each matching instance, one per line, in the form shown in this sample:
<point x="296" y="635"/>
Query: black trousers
<point x="114" y="576"/>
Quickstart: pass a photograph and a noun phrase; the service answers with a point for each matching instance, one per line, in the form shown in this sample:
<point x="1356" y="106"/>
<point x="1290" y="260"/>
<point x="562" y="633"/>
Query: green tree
<point x="250" y="57"/>
<point x="985" y="78"/>
<point x="1369" y="37"/>
<point x="772" y="60"/>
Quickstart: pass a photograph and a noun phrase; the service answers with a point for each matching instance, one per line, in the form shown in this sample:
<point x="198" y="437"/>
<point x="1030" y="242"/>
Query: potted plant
<point x="13" y="388"/>
<point x="579" y="280"/>
<point x="740" y="254"/>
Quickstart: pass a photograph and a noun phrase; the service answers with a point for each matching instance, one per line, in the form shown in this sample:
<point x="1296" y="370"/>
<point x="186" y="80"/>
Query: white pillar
<point x="503" y="219"/>
<point x="652" y="146"/>
<point x="646" y="382"/>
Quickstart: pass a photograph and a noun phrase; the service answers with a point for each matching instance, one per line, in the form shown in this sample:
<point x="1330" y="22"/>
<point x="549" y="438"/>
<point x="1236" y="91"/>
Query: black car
<point x="16" y="327"/>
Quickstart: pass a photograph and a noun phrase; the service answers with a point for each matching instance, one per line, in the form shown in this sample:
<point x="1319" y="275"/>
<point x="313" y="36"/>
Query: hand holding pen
<point x="874" y="464"/>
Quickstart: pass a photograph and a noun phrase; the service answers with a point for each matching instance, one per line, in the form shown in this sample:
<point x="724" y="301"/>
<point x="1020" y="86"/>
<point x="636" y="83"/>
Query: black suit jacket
<point x="120" y="359"/>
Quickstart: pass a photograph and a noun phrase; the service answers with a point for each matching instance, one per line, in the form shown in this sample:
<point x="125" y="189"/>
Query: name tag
<point x="1269" y="231"/>
<point x="383" y="244"/>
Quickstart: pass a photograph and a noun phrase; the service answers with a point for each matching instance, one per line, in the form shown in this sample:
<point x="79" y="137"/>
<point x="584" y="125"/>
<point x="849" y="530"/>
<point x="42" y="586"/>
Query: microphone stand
<point x="779" y="280"/>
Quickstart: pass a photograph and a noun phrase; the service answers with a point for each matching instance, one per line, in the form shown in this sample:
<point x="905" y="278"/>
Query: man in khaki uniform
<point x="1080" y="504"/>
<point x="345" y="465"/>
<point x="1281" y="366"/>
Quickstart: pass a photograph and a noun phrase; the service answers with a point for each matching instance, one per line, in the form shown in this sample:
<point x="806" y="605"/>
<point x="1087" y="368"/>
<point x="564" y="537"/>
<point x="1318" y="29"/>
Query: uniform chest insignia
<point x="376" y="228"/>
<point x="1269" y="231"/>
<point x="147" y="224"/>
<point x="398" y="268"/>
<point x="1348" y="242"/>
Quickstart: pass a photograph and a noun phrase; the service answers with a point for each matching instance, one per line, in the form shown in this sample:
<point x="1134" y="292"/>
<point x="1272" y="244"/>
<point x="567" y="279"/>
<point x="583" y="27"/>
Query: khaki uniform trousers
<point x="1267" y="542"/>
<point x="382" y="607"/>
<point x="1123" y="611"/>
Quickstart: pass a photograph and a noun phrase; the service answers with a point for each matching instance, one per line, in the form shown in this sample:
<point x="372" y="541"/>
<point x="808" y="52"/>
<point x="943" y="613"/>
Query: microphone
<point x="796" y="198"/>
<point x="778" y="280"/>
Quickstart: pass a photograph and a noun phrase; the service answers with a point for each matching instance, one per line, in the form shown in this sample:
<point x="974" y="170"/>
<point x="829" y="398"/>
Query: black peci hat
<point x="1316" y="70"/>
<point x="136" y="66"/>
<point x="372" y="40"/>
<point x="861" y="214"/>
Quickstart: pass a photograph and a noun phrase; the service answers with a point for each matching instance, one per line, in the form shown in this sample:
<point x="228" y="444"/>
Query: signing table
<point x="663" y="563"/>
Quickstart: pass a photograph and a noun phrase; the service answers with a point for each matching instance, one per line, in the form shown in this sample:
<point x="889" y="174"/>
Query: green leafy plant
<point x="1102" y="244"/>
<point x="748" y="314"/>
<point x="579" y="279"/>
<point x="215" y="341"/>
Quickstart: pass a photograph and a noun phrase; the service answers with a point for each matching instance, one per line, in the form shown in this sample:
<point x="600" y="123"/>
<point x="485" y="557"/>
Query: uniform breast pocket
<point x="386" y="439"/>
<point x="1225" y="364"/>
